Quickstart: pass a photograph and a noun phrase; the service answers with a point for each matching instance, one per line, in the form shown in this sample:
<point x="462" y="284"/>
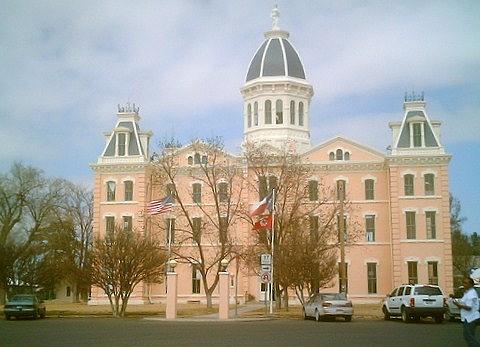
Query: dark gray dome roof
<point x="276" y="57"/>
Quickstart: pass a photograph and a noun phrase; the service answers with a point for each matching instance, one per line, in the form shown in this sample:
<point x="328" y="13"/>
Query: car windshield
<point x="18" y="298"/>
<point x="335" y="296"/>
<point x="428" y="290"/>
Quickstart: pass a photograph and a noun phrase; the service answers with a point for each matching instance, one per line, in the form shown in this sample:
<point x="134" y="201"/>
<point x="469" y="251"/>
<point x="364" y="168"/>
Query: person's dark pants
<point x="469" y="333"/>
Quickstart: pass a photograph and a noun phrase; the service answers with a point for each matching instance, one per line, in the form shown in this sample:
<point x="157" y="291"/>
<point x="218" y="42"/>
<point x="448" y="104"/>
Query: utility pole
<point x="341" y="227"/>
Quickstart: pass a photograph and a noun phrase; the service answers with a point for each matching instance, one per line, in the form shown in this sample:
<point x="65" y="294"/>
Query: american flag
<point x="160" y="206"/>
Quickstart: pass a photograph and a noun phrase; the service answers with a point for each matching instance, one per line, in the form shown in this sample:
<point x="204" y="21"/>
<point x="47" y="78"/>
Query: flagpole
<point x="273" y="243"/>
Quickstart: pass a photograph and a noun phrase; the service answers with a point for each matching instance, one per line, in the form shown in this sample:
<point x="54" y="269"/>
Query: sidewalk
<point x="241" y="309"/>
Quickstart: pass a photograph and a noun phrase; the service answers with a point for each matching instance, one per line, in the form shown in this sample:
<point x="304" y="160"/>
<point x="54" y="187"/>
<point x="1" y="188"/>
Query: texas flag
<point x="263" y="223"/>
<point x="261" y="206"/>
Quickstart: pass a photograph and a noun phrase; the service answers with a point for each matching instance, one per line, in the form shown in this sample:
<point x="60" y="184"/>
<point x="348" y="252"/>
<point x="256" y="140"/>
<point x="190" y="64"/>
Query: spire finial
<point x="275" y="15"/>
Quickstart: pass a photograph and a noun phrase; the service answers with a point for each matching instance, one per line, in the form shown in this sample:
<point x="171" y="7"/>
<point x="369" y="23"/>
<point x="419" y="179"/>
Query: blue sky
<point x="65" y="65"/>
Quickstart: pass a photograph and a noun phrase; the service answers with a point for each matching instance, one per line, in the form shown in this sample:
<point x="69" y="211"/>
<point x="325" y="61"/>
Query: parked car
<point x="412" y="301"/>
<point x="322" y="305"/>
<point x="452" y="311"/>
<point x="25" y="305"/>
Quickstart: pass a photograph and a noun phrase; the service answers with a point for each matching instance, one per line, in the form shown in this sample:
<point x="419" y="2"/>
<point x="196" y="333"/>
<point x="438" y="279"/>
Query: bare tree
<point x="121" y="261"/>
<point x="207" y="214"/>
<point x="306" y="236"/>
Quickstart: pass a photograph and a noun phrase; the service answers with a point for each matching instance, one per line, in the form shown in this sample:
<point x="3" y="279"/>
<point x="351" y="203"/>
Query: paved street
<point x="142" y="332"/>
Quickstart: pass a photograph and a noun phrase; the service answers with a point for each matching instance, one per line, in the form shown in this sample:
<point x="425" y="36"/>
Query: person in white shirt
<point x="469" y="313"/>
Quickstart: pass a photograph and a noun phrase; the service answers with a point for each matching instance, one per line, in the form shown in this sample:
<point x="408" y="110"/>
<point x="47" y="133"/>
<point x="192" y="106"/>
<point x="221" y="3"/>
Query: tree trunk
<point x="208" y="295"/>
<point x="285" y="298"/>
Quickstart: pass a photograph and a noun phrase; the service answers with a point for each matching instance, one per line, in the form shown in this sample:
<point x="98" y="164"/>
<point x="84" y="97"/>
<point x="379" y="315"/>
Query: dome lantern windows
<point x="279" y="112"/>
<point x="255" y="113"/>
<point x="249" y="115"/>
<point x="268" y="112"/>
<point x="292" y="112"/>
<point x="300" y="114"/>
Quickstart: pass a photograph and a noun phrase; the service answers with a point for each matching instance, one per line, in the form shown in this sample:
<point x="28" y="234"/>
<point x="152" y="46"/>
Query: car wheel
<point x="35" y="314"/>
<point x="43" y="314"/>
<point x="348" y="318"/>
<point x="317" y="316"/>
<point x="405" y="315"/>
<point x="448" y="316"/>
<point x="438" y="318"/>
<point x="386" y="314"/>
<point x="7" y="317"/>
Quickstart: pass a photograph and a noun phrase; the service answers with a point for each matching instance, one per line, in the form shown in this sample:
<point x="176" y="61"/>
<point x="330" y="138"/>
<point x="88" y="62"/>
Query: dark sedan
<point x="25" y="305"/>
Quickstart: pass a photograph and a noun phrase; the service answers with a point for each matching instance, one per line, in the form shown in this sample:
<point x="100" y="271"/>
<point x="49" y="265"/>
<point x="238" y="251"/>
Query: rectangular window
<point x="170" y="191"/>
<point x="279" y="112"/>
<point x="128" y="190"/>
<point x="197" y="193"/>
<point x="127" y="223"/>
<point x="370" y="228"/>
<point x="412" y="272"/>
<point x="121" y="144"/>
<point x="345" y="269"/>
<point x="223" y="192"/>
<point x="313" y="221"/>
<point x="313" y="190"/>
<point x="268" y="112"/>
<point x="341" y="190"/>
<point x="262" y="187"/>
<point x="111" y="191"/>
<point x="411" y="226"/>
<point x="255" y="113"/>
<point x="292" y="112"/>
<point x="369" y="189"/>
<point x="372" y="278"/>
<point x="433" y="273"/>
<point x="345" y="234"/>
<point x="196" y="277"/>
<point x="417" y="135"/>
<point x="109" y="224"/>
<point x="431" y="224"/>
<point x="429" y="184"/>
<point x="197" y="230"/>
<point x="408" y="185"/>
<point x="170" y="230"/>
<point x="223" y="226"/>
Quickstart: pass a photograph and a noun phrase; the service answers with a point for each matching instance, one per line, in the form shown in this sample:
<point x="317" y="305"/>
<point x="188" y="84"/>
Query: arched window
<point x="292" y="112"/>
<point x="268" y="112"/>
<point x="190" y="160"/>
<point x="369" y="189"/>
<point x="331" y="156"/>
<point x="204" y="159"/>
<point x="255" y="113"/>
<point x="341" y="186"/>
<point x="339" y="154"/>
<point x="313" y="190"/>
<point x="408" y="185"/>
<point x="346" y="156"/>
<point x="300" y="113"/>
<point x="223" y="192"/>
<point x="279" y="112"/>
<point x="249" y="115"/>
<point x="197" y="158"/>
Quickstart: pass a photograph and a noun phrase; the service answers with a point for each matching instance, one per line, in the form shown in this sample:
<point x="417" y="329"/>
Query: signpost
<point x="266" y="273"/>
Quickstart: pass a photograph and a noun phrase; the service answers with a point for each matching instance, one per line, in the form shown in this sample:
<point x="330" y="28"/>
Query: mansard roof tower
<point x="277" y="95"/>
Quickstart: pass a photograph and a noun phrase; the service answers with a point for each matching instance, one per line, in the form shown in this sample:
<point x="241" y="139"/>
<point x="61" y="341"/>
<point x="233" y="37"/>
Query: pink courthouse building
<point x="400" y="198"/>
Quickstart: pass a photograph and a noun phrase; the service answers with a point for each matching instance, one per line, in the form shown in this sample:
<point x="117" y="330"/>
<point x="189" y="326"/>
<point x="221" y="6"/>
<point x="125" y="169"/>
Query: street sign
<point x="266" y="277"/>
<point x="266" y="268"/>
<point x="266" y="259"/>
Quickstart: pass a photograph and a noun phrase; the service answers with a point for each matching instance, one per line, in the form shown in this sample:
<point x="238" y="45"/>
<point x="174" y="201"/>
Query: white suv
<point x="412" y="301"/>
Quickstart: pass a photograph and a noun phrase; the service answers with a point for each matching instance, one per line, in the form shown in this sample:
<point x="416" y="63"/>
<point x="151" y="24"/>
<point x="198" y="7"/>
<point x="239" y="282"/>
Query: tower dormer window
<point x="279" y="112"/>
<point x="122" y="142"/>
<point x="268" y="112"/>
<point x="300" y="113"/>
<point x="331" y="156"/>
<point x="196" y="158"/>
<point x="417" y="138"/>
<point x="190" y="160"/>
<point x="255" y="113"/>
<point x="346" y="156"/>
<point x="249" y="115"/>
<point x="292" y="112"/>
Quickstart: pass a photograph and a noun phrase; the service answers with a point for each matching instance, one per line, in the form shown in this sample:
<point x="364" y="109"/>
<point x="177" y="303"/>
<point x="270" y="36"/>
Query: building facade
<point x="401" y="198"/>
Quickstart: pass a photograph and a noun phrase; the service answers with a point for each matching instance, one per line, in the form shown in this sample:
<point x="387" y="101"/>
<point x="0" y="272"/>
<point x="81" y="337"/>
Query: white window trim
<point x="369" y="177"/>
<point x="433" y="259"/>
<point x="407" y="259"/>
<point x="110" y="179"/>
<point x="194" y="182"/>
<point x="426" y="172"/>
<point x="410" y="209"/>
<point x="369" y="213"/>
<point x="430" y="209"/>
<point x="128" y="178"/>
<point x="370" y="260"/>
<point x="340" y="178"/>
<point x="408" y="172"/>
